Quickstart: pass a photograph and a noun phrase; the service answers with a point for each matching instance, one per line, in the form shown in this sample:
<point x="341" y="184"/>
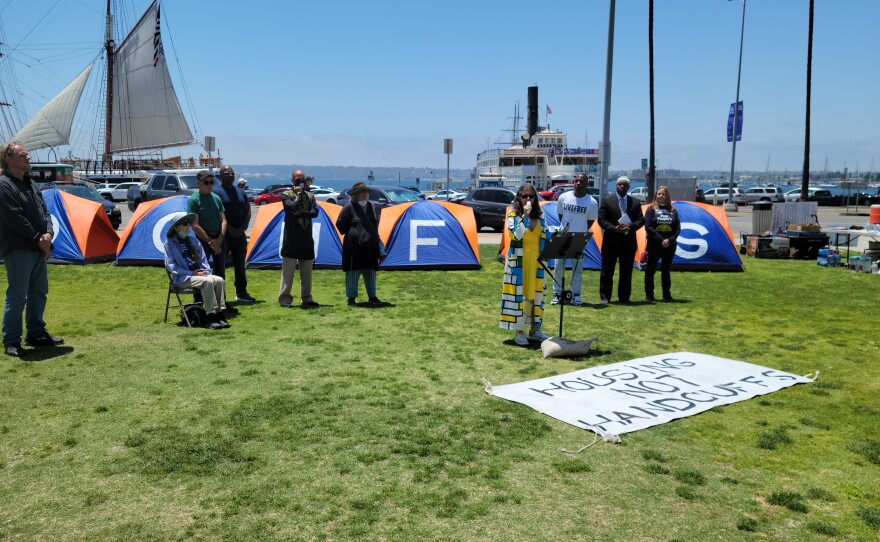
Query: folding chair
<point x="177" y="291"/>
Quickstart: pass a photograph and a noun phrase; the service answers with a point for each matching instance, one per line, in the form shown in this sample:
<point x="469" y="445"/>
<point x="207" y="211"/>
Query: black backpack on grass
<point x="196" y="314"/>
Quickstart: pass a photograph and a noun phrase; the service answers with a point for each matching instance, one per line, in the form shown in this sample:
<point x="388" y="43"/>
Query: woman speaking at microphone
<point x="522" y="291"/>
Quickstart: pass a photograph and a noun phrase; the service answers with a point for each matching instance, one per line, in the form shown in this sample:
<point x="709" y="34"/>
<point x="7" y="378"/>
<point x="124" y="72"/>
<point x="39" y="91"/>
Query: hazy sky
<point x="382" y="83"/>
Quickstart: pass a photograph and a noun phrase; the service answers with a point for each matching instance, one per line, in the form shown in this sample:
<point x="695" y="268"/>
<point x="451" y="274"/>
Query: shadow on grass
<point x="47" y="353"/>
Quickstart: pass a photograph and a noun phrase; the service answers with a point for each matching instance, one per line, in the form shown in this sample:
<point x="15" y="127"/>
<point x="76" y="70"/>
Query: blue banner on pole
<point x="739" y="123"/>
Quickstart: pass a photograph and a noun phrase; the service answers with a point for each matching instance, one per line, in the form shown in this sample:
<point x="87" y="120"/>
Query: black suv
<point x="383" y="196"/>
<point x="490" y="205"/>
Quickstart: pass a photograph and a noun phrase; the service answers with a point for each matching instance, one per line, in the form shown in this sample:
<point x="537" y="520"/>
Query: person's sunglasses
<point x="527" y="195"/>
<point x="184" y="223"/>
<point x="207" y="182"/>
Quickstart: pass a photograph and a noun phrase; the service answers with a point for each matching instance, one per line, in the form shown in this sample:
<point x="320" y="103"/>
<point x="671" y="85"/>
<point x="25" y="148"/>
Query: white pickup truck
<point x="114" y="192"/>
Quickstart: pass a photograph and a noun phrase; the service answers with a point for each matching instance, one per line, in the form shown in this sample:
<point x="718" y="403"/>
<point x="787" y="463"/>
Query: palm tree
<point x="805" y="179"/>
<point x="649" y="176"/>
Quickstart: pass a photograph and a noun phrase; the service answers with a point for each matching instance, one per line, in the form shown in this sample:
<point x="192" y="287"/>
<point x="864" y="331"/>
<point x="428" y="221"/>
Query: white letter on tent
<point x="316" y="235"/>
<point x="415" y="240"/>
<point x="702" y="245"/>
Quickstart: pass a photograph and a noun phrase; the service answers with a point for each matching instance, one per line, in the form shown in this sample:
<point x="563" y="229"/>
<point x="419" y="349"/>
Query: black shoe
<point x="310" y="304"/>
<point x="222" y="319"/>
<point x="43" y="339"/>
<point x="232" y="310"/>
<point x="667" y="298"/>
<point x="244" y="297"/>
<point x="214" y="322"/>
<point x="649" y="298"/>
<point x="15" y="350"/>
<point x="351" y="301"/>
<point x="603" y="301"/>
<point x="375" y="301"/>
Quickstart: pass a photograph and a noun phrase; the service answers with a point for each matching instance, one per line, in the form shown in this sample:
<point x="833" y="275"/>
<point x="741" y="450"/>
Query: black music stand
<point x="564" y="246"/>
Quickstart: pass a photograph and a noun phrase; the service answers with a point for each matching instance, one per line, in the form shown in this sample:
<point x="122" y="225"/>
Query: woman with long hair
<point x="522" y="291"/>
<point x="662" y="227"/>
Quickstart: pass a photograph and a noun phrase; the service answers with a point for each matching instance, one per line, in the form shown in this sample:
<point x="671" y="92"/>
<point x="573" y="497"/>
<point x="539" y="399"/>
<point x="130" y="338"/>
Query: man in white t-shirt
<point x="577" y="211"/>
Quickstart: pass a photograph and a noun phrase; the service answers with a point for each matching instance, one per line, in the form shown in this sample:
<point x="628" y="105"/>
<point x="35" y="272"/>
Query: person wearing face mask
<point x="361" y="248"/>
<point x="300" y="209"/>
<point x="522" y="289"/>
<point x="186" y="262"/>
<point x="662" y="227"/>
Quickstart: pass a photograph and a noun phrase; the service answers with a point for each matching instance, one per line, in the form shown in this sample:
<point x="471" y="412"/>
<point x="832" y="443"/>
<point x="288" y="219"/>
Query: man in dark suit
<point x="620" y="216"/>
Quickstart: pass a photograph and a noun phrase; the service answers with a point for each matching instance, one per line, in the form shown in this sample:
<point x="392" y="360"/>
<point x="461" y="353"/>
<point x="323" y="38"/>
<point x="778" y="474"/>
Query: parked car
<point x="446" y="195"/>
<point x="590" y="192"/>
<point x="555" y="190"/>
<point x="115" y="192"/>
<point x="722" y="194"/>
<point x="793" y="195"/>
<point x="822" y="196"/>
<point x="113" y="212"/>
<point x="272" y="196"/>
<point x="325" y="194"/>
<point x="699" y="196"/>
<point x="490" y="205"/>
<point x="162" y="185"/>
<point x="383" y="196"/>
<point x="640" y="193"/>
<point x="416" y="190"/>
<point x="764" y="193"/>
<point x="272" y="187"/>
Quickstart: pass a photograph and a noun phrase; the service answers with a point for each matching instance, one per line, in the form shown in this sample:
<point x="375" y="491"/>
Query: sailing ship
<point x="541" y="156"/>
<point x="141" y="114"/>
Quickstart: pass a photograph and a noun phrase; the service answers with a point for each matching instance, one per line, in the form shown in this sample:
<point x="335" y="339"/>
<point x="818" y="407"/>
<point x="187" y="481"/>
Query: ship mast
<point x="109" y="45"/>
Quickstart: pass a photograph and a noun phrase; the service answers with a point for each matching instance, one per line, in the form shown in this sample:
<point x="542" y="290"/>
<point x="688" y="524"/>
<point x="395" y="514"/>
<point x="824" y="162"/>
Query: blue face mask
<point x="182" y="234"/>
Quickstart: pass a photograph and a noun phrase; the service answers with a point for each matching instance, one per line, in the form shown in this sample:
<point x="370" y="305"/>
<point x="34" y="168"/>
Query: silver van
<point x="764" y="193"/>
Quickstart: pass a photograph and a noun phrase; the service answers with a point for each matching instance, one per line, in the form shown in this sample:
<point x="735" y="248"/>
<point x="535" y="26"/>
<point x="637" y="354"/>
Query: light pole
<point x="736" y="103"/>
<point x="447" y="150"/>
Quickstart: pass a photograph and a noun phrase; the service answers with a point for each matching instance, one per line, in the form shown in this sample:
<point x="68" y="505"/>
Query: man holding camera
<point x="298" y="245"/>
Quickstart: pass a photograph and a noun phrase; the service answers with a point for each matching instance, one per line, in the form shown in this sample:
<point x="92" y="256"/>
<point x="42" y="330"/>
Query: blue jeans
<point x="351" y="282"/>
<point x="28" y="284"/>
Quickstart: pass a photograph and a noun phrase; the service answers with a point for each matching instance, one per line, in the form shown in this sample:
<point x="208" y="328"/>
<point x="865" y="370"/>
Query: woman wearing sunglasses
<point x="522" y="290"/>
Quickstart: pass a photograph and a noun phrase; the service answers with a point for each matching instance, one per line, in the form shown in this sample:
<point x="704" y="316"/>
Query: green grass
<point x="353" y="423"/>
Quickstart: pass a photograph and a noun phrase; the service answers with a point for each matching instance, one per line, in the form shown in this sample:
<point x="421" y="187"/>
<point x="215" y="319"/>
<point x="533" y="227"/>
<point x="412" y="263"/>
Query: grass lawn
<point x="359" y="423"/>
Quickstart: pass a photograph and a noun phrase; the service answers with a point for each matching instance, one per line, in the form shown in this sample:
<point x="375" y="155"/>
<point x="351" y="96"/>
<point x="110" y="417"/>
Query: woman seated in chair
<point x="185" y="261"/>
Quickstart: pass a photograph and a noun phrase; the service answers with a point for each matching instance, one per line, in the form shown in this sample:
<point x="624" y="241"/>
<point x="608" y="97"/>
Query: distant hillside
<point x="350" y="172"/>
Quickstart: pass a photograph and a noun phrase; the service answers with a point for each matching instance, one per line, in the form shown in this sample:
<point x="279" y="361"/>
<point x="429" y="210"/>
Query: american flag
<point x="549" y="111"/>
<point x="157" y="41"/>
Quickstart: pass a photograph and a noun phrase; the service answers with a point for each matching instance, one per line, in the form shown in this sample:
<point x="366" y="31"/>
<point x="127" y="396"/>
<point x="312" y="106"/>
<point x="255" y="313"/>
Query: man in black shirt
<point x="238" y="217"/>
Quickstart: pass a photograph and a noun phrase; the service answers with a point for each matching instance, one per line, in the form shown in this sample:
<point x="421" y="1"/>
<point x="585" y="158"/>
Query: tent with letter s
<point x="83" y="233"/>
<point x="429" y="235"/>
<point x="265" y="243"/>
<point x="705" y="242"/>
<point x="142" y="241"/>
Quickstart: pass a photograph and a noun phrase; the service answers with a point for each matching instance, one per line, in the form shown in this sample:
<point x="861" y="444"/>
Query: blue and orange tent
<point x="265" y="243"/>
<point x="142" y="241"/>
<point x="83" y="233"/>
<point x="429" y="235"/>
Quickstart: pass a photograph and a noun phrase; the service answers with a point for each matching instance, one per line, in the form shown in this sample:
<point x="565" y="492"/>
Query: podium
<point x="565" y="246"/>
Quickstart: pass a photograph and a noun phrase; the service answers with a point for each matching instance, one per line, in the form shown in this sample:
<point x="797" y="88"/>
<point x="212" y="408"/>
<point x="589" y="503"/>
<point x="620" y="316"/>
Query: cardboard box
<point x="767" y="247"/>
<point x="811" y="228"/>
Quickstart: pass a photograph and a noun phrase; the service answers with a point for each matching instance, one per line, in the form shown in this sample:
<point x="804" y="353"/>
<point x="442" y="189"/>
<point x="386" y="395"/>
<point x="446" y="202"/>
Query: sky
<point x="383" y="83"/>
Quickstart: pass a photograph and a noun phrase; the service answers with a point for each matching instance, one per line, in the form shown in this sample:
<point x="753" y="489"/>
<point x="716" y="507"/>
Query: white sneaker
<point x="520" y="339"/>
<point x="555" y="300"/>
<point x="576" y="301"/>
<point x="538" y="335"/>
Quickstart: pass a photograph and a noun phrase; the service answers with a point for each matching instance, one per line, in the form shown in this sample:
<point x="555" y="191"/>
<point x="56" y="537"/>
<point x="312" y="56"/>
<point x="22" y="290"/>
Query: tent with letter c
<point x="142" y="241"/>
<point x="265" y="243"/>
<point x="705" y="242"/>
<point x="83" y="233"/>
<point x="592" y="252"/>
<point x="429" y="235"/>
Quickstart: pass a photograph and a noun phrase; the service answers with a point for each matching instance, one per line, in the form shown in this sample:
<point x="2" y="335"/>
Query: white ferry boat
<point x="542" y="158"/>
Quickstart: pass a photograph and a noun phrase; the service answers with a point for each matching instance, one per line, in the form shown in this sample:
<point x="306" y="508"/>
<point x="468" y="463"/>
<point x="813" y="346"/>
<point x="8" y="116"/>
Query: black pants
<point x="617" y="247"/>
<point x="656" y="253"/>
<point x="238" y="251"/>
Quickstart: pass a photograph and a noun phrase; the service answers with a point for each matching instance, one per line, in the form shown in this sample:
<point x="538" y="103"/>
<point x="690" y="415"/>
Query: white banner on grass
<point x="632" y="395"/>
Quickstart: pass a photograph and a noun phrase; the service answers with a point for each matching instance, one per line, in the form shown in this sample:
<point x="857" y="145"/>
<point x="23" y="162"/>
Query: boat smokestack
<point x="533" y="111"/>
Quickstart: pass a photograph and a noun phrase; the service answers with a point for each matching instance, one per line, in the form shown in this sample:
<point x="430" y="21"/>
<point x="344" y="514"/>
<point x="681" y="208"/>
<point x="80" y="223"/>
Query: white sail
<point x="52" y="124"/>
<point x="146" y="113"/>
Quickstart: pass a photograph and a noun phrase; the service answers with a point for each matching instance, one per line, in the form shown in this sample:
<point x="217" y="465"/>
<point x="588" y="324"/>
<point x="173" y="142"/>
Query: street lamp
<point x="736" y="103"/>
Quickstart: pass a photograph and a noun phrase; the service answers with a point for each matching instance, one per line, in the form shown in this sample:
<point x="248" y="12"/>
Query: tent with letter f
<point x="83" y="233"/>
<point x="429" y="235"/>
<point x="265" y="243"/>
<point x="142" y="242"/>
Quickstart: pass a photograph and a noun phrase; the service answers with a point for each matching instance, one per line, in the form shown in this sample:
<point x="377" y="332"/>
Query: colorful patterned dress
<point x="523" y="277"/>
